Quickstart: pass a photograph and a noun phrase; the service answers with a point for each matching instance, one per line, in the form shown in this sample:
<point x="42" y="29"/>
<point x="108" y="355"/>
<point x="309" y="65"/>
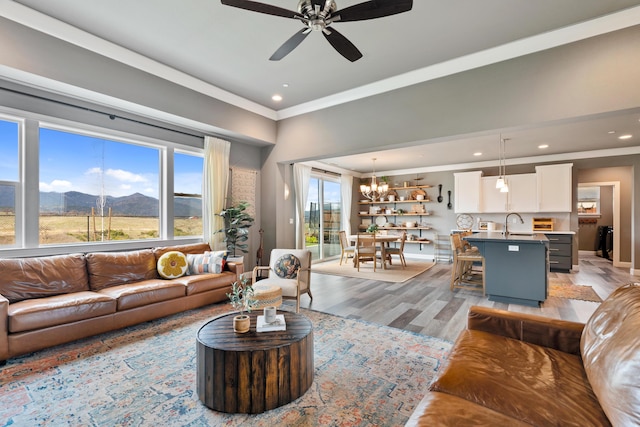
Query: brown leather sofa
<point x="511" y="369"/>
<point x="45" y="301"/>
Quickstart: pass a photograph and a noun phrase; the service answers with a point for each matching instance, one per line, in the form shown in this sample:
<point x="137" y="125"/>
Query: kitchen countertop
<point x="520" y="237"/>
<point x="518" y="231"/>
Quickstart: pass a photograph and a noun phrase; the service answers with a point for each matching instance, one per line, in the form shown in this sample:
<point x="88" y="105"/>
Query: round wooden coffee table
<point x="257" y="371"/>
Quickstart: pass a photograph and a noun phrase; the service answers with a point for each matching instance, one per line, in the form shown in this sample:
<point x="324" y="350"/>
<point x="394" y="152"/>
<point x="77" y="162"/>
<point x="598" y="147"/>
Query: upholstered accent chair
<point x="290" y="269"/>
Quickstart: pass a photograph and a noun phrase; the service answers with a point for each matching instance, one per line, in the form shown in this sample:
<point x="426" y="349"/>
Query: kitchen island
<point x="516" y="266"/>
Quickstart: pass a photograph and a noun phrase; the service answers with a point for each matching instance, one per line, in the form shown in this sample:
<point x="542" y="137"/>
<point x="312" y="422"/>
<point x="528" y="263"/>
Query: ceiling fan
<point x="318" y="15"/>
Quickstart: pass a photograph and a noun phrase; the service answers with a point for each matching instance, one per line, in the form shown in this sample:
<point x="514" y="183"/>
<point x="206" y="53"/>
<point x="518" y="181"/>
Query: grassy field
<point x="75" y="229"/>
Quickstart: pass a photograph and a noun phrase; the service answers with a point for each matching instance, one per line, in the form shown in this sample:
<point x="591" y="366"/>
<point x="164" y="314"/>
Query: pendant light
<point x="505" y="186"/>
<point x="500" y="180"/>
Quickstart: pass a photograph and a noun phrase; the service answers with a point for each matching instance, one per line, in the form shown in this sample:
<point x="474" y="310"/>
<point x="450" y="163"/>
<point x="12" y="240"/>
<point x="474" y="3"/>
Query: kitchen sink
<point x="520" y="234"/>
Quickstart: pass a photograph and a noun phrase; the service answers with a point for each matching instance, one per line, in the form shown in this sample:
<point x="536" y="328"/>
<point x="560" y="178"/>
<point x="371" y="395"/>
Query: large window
<point x="9" y="177"/>
<point x="71" y="184"/>
<point x="95" y="189"/>
<point x="187" y="201"/>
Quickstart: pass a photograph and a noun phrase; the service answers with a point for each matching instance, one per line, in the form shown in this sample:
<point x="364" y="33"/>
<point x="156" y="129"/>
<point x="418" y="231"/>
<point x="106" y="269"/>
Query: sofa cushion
<point x="172" y="264"/>
<point x="144" y="293"/>
<point x="193" y="248"/>
<point x="26" y="278"/>
<point x="289" y="286"/>
<point x="611" y="353"/>
<point x="534" y="384"/>
<point x="441" y="409"/>
<point x="206" y="282"/>
<point x="118" y="268"/>
<point x="41" y="313"/>
<point x="208" y="262"/>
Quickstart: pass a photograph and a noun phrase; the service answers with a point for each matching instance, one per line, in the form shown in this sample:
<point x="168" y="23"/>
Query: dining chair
<point x="367" y="249"/>
<point x="346" y="250"/>
<point x="398" y="251"/>
<point x="463" y="273"/>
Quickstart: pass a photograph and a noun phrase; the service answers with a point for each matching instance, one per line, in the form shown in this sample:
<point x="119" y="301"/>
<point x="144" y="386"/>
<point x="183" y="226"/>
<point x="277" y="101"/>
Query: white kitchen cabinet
<point x="467" y="191"/>
<point x="492" y="200"/>
<point x="554" y="183"/>
<point x="522" y="192"/>
<point x="520" y="198"/>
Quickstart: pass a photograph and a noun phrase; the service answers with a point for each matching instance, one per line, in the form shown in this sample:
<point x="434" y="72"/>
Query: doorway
<point x="599" y="209"/>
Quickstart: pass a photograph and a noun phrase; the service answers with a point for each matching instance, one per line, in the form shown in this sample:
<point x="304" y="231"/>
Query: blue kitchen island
<point x="516" y="266"/>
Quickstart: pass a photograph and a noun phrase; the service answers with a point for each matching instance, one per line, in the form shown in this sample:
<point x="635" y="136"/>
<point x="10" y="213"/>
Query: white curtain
<point x="301" y="178"/>
<point x="214" y="189"/>
<point x="346" y="193"/>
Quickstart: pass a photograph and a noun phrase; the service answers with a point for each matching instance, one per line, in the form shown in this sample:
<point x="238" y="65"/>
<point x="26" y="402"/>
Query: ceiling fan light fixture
<point x="318" y="15"/>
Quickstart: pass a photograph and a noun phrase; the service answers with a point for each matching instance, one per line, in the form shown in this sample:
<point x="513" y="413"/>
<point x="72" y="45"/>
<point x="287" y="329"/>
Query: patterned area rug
<point x="145" y="375"/>
<point x="571" y="291"/>
<point x="394" y="273"/>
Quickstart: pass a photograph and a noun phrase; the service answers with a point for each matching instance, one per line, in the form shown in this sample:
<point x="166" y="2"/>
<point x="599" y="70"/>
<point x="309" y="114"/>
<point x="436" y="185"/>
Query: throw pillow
<point x="172" y="265"/>
<point x="208" y="262"/>
<point x="287" y="266"/>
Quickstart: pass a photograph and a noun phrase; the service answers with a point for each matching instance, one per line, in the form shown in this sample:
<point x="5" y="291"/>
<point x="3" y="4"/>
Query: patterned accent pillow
<point x="287" y="266"/>
<point x="208" y="262"/>
<point x="172" y="265"/>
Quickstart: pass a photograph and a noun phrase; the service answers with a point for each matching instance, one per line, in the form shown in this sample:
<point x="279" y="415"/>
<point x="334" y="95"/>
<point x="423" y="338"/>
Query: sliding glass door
<point x="322" y="216"/>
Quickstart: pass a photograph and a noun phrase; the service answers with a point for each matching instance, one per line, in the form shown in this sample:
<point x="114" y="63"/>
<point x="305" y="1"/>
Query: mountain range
<point x="76" y="203"/>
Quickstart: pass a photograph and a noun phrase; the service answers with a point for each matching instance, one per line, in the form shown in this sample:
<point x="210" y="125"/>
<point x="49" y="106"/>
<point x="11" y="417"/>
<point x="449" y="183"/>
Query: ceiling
<point x="229" y="48"/>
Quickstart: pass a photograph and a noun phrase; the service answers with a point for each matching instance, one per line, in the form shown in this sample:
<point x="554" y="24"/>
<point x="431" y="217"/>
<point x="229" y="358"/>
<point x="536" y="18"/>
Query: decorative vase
<point x="241" y="323"/>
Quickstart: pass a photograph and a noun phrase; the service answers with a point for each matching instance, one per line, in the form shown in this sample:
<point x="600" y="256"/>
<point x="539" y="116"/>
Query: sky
<point x="72" y="162"/>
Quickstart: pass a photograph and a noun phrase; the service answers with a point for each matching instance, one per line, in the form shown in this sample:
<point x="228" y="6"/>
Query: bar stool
<point x="463" y="273"/>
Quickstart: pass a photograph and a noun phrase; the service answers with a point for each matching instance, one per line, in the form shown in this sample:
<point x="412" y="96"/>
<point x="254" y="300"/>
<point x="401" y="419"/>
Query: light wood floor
<point x="425" y="304"/>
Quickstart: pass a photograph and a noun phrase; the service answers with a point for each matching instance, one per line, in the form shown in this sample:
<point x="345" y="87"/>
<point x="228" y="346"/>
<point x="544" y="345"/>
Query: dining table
<point x="384" y="239"/>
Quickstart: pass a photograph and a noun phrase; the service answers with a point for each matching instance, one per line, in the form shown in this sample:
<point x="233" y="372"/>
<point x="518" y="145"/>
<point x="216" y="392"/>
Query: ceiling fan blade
<point x="290" y="44"/>
<point x="342" y="45"/>
<point x="254" y="6"/>
<point x="372" y="9"/>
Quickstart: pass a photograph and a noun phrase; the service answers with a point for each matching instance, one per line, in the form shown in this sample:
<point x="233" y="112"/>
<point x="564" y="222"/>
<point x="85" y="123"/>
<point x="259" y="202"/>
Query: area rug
<point x="571" y="291"/>
<point x="145" y="375"/>
<point x="394" y="273"/>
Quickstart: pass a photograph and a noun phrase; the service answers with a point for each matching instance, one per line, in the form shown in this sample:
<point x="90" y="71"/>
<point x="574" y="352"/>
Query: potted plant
<point x="242" y="298"/>
<point x="236" y="228"/>
<point x="373" y="228"/>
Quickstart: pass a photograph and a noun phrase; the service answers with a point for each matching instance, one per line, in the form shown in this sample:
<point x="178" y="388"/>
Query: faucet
<point x="506" y="222"/>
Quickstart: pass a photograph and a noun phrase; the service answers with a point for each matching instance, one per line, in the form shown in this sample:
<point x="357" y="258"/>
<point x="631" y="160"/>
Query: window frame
<point x="27" y="189"/>
<point x="17" y="187"/>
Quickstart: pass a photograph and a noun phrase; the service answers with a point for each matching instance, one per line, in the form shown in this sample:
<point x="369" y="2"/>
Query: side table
<point x="253" y="372"/>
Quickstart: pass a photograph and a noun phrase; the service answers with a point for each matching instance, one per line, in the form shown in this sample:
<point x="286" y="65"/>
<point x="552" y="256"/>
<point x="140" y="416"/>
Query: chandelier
<point x="373" y="191"/>
<point x="501" y="183"/>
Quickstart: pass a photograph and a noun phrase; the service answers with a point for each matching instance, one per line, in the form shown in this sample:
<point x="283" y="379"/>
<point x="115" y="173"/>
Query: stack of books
<point x="277" y="325"/>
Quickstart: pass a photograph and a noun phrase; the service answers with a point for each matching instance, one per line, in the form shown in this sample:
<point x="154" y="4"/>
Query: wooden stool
<point x="267" y="295"/>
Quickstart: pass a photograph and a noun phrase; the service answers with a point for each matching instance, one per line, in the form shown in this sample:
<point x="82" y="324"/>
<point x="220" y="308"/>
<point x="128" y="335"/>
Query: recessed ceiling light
<point x="285" y="84"/>
<point x="611" y="132"/>
<point x="277" y="98"/>
<point x="542" y="146"/>
<point x="627" y="136"/>
<point x="477" y="154"/>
